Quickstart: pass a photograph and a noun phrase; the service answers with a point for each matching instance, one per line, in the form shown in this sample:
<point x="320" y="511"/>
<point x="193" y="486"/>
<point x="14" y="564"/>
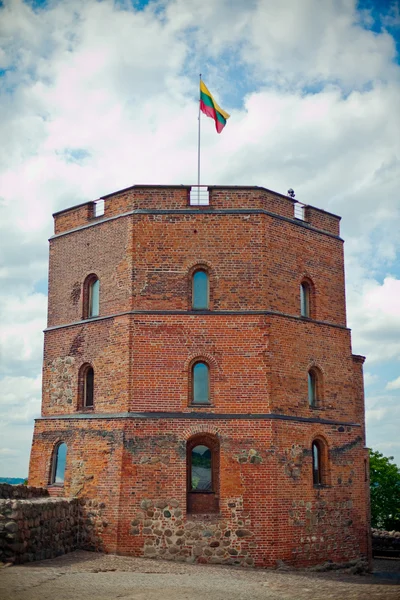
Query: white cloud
<point x="20" y="399"/>
<point x="98" y="97"/>
<point x="370" y="378"/>
<point x="21" y="337"/>
<point x="375" y="318"/>
<point x="19" y="405"/>
<point x="393" y="385"/>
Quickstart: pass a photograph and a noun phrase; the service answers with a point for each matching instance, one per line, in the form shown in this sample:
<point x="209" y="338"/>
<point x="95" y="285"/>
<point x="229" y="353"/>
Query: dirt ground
<point x="87" y="576"/>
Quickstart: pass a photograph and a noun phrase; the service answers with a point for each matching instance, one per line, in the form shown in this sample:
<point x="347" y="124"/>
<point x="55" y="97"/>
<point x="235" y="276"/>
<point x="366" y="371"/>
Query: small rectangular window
<point x="299" y="211"/>
<point x="199" y="195"/>
<point x="98" y="209"/>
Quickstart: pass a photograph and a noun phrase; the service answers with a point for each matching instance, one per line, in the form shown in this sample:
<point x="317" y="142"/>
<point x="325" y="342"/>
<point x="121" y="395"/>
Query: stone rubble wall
<point x="38" y="528"/>
<point x="386" y="543"/>
<point x="26" y="492"/>
<point x="199" y="538"/>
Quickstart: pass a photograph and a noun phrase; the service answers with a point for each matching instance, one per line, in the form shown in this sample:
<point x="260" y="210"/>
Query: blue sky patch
<point x="384" y="16"/>
<point x="40" y="287"/>
<point x="74" y="155"/>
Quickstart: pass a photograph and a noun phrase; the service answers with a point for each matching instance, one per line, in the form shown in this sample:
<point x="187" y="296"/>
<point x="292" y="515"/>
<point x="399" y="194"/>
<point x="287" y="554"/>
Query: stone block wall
<point x="385" y="543"/>
<point x="167" y="534"/>
<point x="22" y="492"/>
<point x="34" y="526"/>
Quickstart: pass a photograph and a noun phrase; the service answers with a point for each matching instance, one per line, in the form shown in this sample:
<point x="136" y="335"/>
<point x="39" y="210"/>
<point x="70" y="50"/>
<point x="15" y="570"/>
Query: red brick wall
<point x="106" y="345"/>
<point x="294" y="252"/>
<point x="172" y="198"/>
<point x="265" y="472"/>
<point x="105" y="250"/>
<point x="296" y="346"/>
<point x="131" y="472"/>
<point x="143" y="262"/>
<point x="322" y="220"/>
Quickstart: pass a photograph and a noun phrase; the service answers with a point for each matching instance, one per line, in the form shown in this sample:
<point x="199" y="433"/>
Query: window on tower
<point x="200" y="388"/>
<point x="319" y="452"/>
<point x="203" y="473"/>
<point x="200" y="290"/>
<point x="91" y="297"/>
<point x="315" y="387"/>
<point x="86" y="387"/>
<point x="305" y="299"/>
<point x="58" y="464"/>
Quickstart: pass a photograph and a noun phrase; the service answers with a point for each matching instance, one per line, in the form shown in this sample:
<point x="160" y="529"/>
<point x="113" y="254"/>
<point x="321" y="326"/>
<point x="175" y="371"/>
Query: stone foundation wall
<point x="38" y="528"/>
<point x="21" y="491"/>
<point x="199" y="538"/>
<point x="385" y="543"/>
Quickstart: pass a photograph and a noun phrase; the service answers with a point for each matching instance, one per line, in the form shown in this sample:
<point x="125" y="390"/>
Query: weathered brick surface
<point x="104" y="250"/>
<point x="130" y="470"/>
<point x="106" y="345"/>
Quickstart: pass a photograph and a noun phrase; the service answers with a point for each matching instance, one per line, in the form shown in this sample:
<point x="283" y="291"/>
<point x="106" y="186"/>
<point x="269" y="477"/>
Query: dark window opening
<point x="319" y="451"/>
<point x="89" y="388"/>
<point x="85" y="387"/>
<point x="316" y="461"/>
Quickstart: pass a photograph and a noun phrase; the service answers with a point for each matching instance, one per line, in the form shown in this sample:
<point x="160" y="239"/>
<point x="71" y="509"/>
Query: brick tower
<point x="199" y="391"/>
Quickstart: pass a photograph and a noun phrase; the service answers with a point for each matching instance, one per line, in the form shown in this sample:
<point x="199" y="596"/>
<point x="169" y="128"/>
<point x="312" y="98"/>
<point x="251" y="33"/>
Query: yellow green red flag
<point x="210" y="108"/>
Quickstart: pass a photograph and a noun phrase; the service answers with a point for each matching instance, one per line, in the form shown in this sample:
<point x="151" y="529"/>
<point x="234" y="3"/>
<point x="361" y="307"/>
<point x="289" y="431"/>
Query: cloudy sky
<point x="96" y="96"/>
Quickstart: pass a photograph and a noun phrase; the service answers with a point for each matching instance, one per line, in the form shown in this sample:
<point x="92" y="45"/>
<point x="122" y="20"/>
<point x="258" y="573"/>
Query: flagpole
<point x="198" y="151"/>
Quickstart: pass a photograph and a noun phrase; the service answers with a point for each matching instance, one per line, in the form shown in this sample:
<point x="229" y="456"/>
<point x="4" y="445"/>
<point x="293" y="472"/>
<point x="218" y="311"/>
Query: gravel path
<point x="87" y="576"/>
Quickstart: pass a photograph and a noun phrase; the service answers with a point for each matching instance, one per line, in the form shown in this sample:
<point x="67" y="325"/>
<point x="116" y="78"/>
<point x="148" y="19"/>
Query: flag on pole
<point x="210" y="108"/>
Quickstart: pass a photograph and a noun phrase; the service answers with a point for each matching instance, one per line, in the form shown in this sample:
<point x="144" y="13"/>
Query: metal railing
<point x="199" y="195"/>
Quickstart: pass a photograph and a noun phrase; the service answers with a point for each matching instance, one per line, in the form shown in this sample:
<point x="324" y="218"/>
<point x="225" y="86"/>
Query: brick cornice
<point x="197" y="416"/>
<point x="202" y="313"/>
<point x="196" y="211"/>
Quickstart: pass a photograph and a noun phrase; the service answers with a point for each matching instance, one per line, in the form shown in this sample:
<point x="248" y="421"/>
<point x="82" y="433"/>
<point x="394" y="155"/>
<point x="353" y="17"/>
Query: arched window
<point x="203" y="474"/>
<point x="86" y="386"/>
<point x="305" y="299"/>
<point x="89" y="388"/>
<point x="94" y="298"/>
<point x="201" y="471"/>
<point x="319" y="462"/>
<point x="314" y="387"/>
<point x="200" y="392"/>
<point x="200" y="290"/>
<point x="58" y="464"/>
<point x="91" y="297"/>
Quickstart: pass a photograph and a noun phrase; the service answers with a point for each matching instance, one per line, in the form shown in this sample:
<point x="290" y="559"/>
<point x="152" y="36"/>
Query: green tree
<point x="385" y="491"/>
